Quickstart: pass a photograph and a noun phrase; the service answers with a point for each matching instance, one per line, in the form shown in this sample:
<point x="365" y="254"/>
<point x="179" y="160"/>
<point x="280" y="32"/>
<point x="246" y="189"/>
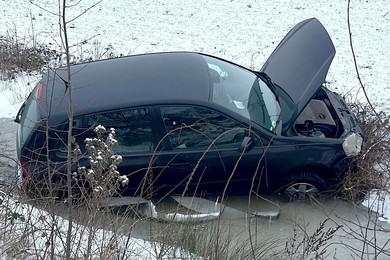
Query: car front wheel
<point x="304" y="185"/>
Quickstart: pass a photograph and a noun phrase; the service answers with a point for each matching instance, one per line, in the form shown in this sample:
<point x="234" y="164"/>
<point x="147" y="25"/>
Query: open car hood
<point x="300" y="62"/>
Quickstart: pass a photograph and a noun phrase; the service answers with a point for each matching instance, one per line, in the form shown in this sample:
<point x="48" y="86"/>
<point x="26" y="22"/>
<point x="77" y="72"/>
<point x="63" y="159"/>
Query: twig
<point x="356" y="66"/>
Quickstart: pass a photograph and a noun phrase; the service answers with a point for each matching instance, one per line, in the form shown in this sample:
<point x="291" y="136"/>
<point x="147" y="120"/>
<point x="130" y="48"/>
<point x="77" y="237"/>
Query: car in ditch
<point x="191" y="123"/>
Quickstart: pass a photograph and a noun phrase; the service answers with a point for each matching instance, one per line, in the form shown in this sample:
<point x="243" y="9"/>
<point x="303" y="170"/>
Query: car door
<point x="135" y="132"/>
<point x="204" y="154"/>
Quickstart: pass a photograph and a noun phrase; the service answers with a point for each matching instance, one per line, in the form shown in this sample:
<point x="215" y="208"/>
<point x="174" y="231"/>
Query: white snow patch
<point x="99" y="128"/>
<point x="149" y="211"/>
<point x="178" y="217"/>
<point x="379" y="202"/>
<point x="41" y="221"/>
<point x="123" y="180"/>
<point x="8" y="108"/>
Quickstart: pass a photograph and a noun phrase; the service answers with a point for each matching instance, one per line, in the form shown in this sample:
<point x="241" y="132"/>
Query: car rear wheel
<point x="304" y="185"/>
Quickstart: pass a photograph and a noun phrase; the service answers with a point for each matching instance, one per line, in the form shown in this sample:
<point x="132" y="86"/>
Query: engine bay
<point x="319" y="118"/>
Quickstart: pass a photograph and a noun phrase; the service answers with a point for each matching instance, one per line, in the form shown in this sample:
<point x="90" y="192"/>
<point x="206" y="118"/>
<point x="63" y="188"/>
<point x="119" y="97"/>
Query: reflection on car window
<point x="133" y="128"/>
<point x="241" y="91"/>
<point x="196" y="127"/>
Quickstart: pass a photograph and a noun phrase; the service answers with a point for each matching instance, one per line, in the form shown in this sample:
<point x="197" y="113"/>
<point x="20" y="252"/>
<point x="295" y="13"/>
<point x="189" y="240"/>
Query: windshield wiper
<point x="270" y="84"/>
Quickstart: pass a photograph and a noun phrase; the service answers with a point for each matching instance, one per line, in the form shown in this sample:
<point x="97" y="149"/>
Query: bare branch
<point x="356" y="66"/>
<point x="85" y="11"/>
<point x="44" y="9"/>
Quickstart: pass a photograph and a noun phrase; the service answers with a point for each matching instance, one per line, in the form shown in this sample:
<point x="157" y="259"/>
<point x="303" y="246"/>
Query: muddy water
<point x="359" y="236"/>
<point x="305" y="219"/>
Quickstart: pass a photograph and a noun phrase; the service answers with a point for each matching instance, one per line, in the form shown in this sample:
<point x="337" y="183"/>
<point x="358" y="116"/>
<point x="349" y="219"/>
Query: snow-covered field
<point x="245" y="32"/>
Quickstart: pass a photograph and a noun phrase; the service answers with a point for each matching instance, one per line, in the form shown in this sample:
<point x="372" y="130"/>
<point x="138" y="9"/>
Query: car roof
<point x="128" y="81"/>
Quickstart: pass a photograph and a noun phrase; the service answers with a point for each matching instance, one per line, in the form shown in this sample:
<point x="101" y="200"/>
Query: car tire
<point x="304" y="185"/>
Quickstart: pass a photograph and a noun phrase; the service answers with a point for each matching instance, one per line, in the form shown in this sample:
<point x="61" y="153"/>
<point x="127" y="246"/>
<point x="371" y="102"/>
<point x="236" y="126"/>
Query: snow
<point x="178" y="217"/>
<point x="148" y="209"/>
<point x="99" y="128"/>
<point x="13" y="93"/>
<point x="245" y="32"/>
<point x="8" y="108"/>
<point x="39" y="223"/>
<point x="379" y="202"/>
<point x="123" y="180"/>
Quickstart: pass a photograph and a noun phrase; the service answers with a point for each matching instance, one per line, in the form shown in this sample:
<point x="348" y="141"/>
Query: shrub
<point x="372" y="165"/>
<point x="18" y="55"/>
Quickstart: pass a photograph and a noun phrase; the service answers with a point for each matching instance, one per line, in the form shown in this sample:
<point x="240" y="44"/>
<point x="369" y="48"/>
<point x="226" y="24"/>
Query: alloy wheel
<point x="301" y="190"/>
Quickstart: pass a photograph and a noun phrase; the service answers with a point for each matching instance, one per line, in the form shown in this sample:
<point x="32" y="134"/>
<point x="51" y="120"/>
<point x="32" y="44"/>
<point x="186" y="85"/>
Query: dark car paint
<point x="263" y="166"/>
<point x="180" y="78"/>
<point x="259" y="167"/>
<point x="298" y="65"/>
<point x="169" y="76"/>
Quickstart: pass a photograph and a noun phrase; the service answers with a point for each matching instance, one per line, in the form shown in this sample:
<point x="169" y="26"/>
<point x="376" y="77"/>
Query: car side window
<point x="197" y="127"/>
<point x="133" y="128"/>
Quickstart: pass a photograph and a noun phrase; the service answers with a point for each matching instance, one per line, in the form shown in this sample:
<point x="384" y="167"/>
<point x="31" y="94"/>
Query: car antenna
<point x="65" y="82"/>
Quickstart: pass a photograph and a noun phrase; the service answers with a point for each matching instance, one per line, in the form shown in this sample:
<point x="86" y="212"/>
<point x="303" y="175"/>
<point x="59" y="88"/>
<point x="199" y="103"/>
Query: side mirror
<point x="247" y="144"/>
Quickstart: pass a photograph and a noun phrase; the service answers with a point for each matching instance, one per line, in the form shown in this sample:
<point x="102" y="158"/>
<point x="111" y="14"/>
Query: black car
<point x="190" y="122"/>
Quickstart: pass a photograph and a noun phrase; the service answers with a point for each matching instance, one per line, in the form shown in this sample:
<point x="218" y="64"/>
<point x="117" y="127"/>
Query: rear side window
<point x="133" y="128"/>
<point x="196" y="127"/>
<point x="28" y="116"/>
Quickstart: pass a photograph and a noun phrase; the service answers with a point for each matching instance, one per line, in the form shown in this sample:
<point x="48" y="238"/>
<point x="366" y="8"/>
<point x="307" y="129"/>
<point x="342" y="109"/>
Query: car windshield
<point x="243" y="92"/>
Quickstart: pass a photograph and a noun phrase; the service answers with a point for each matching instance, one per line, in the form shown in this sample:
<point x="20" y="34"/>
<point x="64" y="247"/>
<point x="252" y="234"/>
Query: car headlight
<point x="352" y="145"/>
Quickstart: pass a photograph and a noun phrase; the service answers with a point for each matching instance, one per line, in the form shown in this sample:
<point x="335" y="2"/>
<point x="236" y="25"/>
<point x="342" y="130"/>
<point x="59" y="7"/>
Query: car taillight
<point x="40" y="90"/>
<point x="23" y="168"/>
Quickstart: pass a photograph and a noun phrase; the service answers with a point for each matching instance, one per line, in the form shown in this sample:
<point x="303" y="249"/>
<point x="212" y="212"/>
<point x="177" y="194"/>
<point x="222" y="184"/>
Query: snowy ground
<point x="245" y="32"/>
<point x="36" y="247"/>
